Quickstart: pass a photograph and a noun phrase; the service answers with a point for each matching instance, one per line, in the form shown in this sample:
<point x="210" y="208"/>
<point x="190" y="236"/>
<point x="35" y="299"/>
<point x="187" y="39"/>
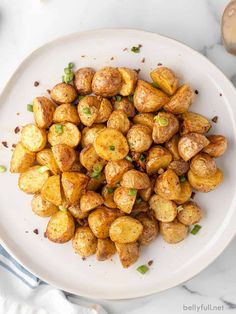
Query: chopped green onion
<point x="118" y="185"/>
<point x="69" y="75"/>
<point x="80" y="97"/>
<point x="30" y="107"/>
<point x="59" y="128"/>
<point x="118" y="98"/>
<point x="112" y="147"/>
<point x="110" y="190"/>
<point x="63" y="79"/>
<point x="96" y="171"/>
<point x="136" y="49"/>
<point x="142" y="269"/>
<point x="142" y="158"/>
<point x="162" y="121"/>
<point x="132" y="192"/>
<point x="71" y="65"/>
<point x="182" y="179"/>
<point x="179" y="208"/>
<point x="138" y="200"/>
<point x="43" y="169"/>
<point x="155" y="85"/>
<point x="87" y="110"/>
<point x="67" y="71"/>
<point x="195" y="229"/>
<point x="62" y="208"/>
<point x="3" y="169"/>
<point x="129" y="158"/>
<point x="130" y="98"/>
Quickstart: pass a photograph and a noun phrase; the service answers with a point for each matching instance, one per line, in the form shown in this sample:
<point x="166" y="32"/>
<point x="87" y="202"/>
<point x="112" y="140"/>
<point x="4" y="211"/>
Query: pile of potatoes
<point x="113" y="159"/>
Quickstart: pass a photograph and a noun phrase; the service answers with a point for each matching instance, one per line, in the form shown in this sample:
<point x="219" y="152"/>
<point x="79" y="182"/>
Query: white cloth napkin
<point x="23" y="293"/>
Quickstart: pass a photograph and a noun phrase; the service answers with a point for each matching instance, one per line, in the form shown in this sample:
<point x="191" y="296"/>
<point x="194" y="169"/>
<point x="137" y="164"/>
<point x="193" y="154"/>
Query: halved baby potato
<point x="43" y="110"/>
<point x="180" y="167"/>
<point x="96" y="182"/>
<point x="146" y="119"/>
<point x="174" y="231"/>
<point x="126" y="105"/>
<point x="139" y="138"/>
<point x="63" y="93"/>
<point x="190" y="214"/>
<point x="21" y="159"/>
<point x="64" y="133"/>
<point x="105" y="249"/>
<point x="191" y="144"/>
<point x="88" y="108"/>
<point x="203" y="165"/>
<point x="150" y="228"/>
<point x="90" y="200"/>
<point x="89" y="134"/>
<point x="158" y="157"/>
<point x="104" y="111"/>
<point x="51" y="190"/>
<point x="205" y="184"/>
<point x="164" y="210"/>
<point x="181" y="100"/>
<point x="185" y="193"/>
<point x="46" y="158"/>
<point x="73" y="183"/>
<point x="42" y="207"/>
<point x="194" y="123"/>
<point x="64" y="156"/>
<point x="129" y="78"/>
<point x="125" y="199"/>
<point x="66" y="113"/>
<point x="166" y="125"/>
<point x="134" y="179"/>
<point x="167" y="185"/>
<point x="76" y="211"/>
<point x="84" y="242"/>
<point x="108" y="194"/>
<point x="33" y="138"/>
<point x="114" y="171"/>
<point x="172" y="146"/>
<point x="166" y="79"/>
<point x="83" y="80"/>
<point x="90" y="159"/>
<point x="118" y="120"/>
<point x="217" y="146"/>
<point x="128" y="253"/>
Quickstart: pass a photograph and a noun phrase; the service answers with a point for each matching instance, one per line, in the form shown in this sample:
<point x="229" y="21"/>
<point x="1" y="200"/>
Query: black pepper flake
<point x="137" y="70"/>
<point x="215" y="119"/>
<point x="220" y="95"/>
<point x="125" y="49"/>
<point x="17" y="129"/>
<point x="26" y="231"/>
<point x="83" y="56"/>
<point x="13" y="145"/>
<point x="112" y="58"/>
<point x="4" y="143"/>
<point x="193" y="195"/>
<point x="159" y="64"/>
<point x="150" y="263"/>
<point x="48" y="90"/>
<point x="83" y="259"/>
<point x="196" y="92"/>
<point x="143" y="60"/>
<point x="45" y="234"/>
<point x="17" y="113"/>
<point x="36" y="231"/>
<point x="36" y="83"/>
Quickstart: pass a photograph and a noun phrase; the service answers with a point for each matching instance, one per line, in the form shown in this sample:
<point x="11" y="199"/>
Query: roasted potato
<point x="66" y="113"/>
<point x="64" y="155"/>
<point x="90" y="200"/>
<point x="114" y="171"/>
<point x="166" y="125"/>
<point x="174" y="231"/>
<point x="164" y="209"/>
<point x="104" y="111"/>
<point x="140" y="207"/>
<point x="167" y="185"/>
<point x="88" y="109"/>
<point x="43" y="110"/>
<point x="166" y="79"/>
<point x="76" y="212"/>
<point x="32" y="180"/>
<point x="125" y="199"/>
<point x="105" y="249"/>
<point x="41" y="207"/>
<point x="118" y="120"/>
<point x="83" y="80"/>
<point x="84" y="242"/>
<point x="64" y="133"/>
<point x="205" y="184"/>
<point x="145" y="194"/>
<point x="21" y="159"/>
<point x="96" y="182"/>
<point x="139" y="138"/>
<point x="73" y="183"/>
<point x="128" y="253"/>
<point x="107" y="82"/>
<point x="63" y="93"/>
<point x="33" y="138"/>
<point x="126" y="105"/>
<point x="217" y="146"/>
<point x="110" y="144"/>
<point x="180" y="167"/>
<point x="172" y="146"/>
<point x="129" y="78"/>
<point x="101" y="219"/>
<point x="194" y="123"/>
<point x="46" y="158"/>
<point x="181" y="100"/>
<point x="150" y="228"/>
<point x="191" y="144"/>
<point x="134" y="179"/>
<point x="190" y="213"/>
<point x="108" y="194"/>
<point x="51" y="190"/>
<point x="185" y="193"/>
<point x="146" y="119"/>
<point x="147" y="98"/>
<point x="158" y="157"/>
<point x="76" y="166"/>
<point x="203" y="165"/>
<point x="89" y="158"/>
<point x="61" y="227"/>
<point x="89" y="134"/>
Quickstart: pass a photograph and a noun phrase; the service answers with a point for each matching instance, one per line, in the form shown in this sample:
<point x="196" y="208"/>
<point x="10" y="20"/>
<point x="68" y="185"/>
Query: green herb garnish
<point x="43" y="169"/>
<point x="182" y="179"/>
<point x="110" y="190"/>
<point x="138" y="200"/>
<point x="118" y="98"/>
<point x="87" y="111"/>
<point x="97" y="169"/>
<point x="129" y="158"/>
<point x="155" y="85"/>
<point x="142" y="158"/>
<point x="142" y="269"/>
<point x="195" y="229"/>
<point x="80" y="97"/>
<point x="136" y="49"/>
<point x="112" y="147"/>
<point x="71" y="65"/>
<point x="130" y="98"/>
<point x="118" y="185"/>
<point x="3" y="169"/>
<point x="30" y="108"/>
<point x="59" y="128"/>
<point x="69" y="75"/>
<point x="161" y="120"/>
<point x="132" y="192"/>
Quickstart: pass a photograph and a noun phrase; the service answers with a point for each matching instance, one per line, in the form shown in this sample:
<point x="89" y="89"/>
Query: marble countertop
<point x="26" y="25"/>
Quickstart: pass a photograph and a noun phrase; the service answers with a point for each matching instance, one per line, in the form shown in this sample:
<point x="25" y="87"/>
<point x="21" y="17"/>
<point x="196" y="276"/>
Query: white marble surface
<point x="27" y="24"/>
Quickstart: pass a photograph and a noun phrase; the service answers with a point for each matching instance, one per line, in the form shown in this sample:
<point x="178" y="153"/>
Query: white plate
<point x="173" y="264"/>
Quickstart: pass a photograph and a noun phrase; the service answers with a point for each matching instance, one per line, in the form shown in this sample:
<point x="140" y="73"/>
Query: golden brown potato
<point x="164" y="210"/>
<point x="172" y="146"/>
<point x="205" y="184"/>
<point x="21" y="159"/>
<point x="89" y="134"/>
<point x="181" y="100"/>
<point x="166" y="79"/>
<point x="61" y="227"/>
<point x="191" y="144"/>
<point x="185" y="193"/>
<point x="180" y="167"/>
<point x="110" y="144"/>
<point x="90" y="200"/>
<point x="45" y="158"/>
<point x="104" y="111"/>
<point x="165" y="126"/>
<point x="64" y="155"/>
<point x="174" y="231"/>
<point x="76" y="212"/>
<point x="125" y="229"/>
<point x="73" y="183"/>
<point x="43" y="110"/>
<point x="51" y="190"/>
<point x="134" y="179"/>
<point x="108" y="194"/>
<point x="64" y="133"/>
<point x="147" y="98"/>
<point x="76" y="166"/>
<point x="96" y="182"/>
<point x="101" y="219"/>
<point x="84" y="242"/>
<point x="203" y="165"/>
<point x="66" y="113"/>
<point x="105" y="249"/>
<point x="118" y="120"/>
<point x="158" y="157"/>
<point x="150" y="228"/>
<point x="89" y="158"/>
<point x="114" y="171"/>
<point x="128" y="253"/>
<point x="194" y="123"/>
<point x="190" y="213"/>
<point x="63" y="93"/>
<point x="83" y="80"/>
<point x="32" y="180"/>
<point x="88" y="108"/>
<point x="145" y="194"/>
<point x="139" y="138"/>
<point x="129" y="78"/>
<point x="217" y="146"/>
<point x="33" y="138"/>
<point x="125" y="199"/>
<point x="41" y="207"/>
<point x="107" y="82"/>
<point x="146" y="119"/>
<point x="167" y="185"/>
<point x="126" y="105"/>
<point x="140" y="207"/>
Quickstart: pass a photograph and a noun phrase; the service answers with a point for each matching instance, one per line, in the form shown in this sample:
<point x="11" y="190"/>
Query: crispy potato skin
<point x="190" y="214"/>
<point x="145" y="194"/>
<point x="83" y="80"/>
<point x="217" y="146"/>
<point x="134" y="179"/>
<point x="150" y="228"/>
<point x="148" y="98"/>
<point x="158" y="157"/>
<point x="139" y="138"/>
<point x="129" y="78"/>
<point x="66" y="113"/>
<point x="64" y="156"/>
<point x="164" y="210"/>
<point x="173" y="232"/>
<point x="191" y="144"/>
<point x="89" y="158"/>
<point x="51" y="190"/>
<point x="70" y="135"/>
<point x="105" y="249"/>
<point x="124" y="200"/>
<point x="128" y="253"/>
<point x="45" y="158"/>
<point x="107" y="82"/>
<point x="146" y="119"/>
<point x="166" y="79"/>
<point x="43" y="109"/>
<point x="162" y="134"/>
<point x="61" y="227"/>
<point x="167" y="185"/>
<point x="76" y="212"/>
<point x="104" y="111"/>
<point x="194" y="123"/>
<point x="205" y="184"/>
<point x="185" y="193"/>
<point x="114" y="171"/>
<point x="108" y="194"/>
<point x="90" y="200"/>
<point x="33" y="138"/>
<point x="89" y="134"/>
<point x="41" y="207"/>
<point x="88" y="109"/>
<point x="73" y="183"/>
<point x="172" y="146"/>
<point x="180" y="167"/>
<point x="181" y="101"/>
<point x="84" y="242"/>
<point x="125" y="229"/>
<point x="31" y="181"/>
<point x="118" y="120"/>
<point x="96" y="183"/>
<point x="203" y="165"/>
<point x="142" y="207"/>
<point x="63" y="93"/>
<point x="21" y="159"/>
<point x="125" y="105"/>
